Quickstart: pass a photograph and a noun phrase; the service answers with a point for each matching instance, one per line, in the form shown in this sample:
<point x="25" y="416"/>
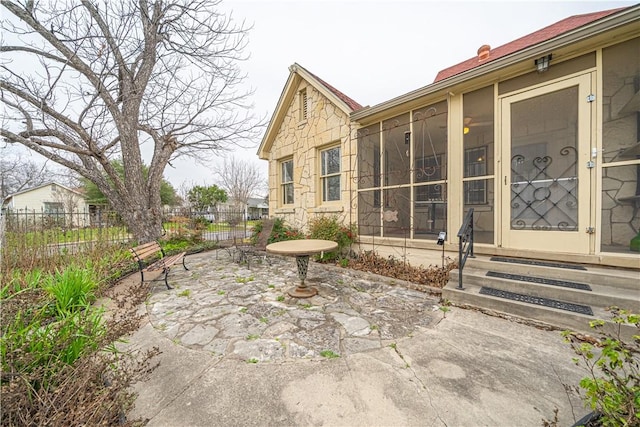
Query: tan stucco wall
<point x="326" y="126"/>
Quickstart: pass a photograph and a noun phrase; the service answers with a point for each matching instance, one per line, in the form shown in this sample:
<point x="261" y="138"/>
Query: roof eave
<point x="600" y="26"/>
<point x="301" y="73"/>
<point x="269" y="135"/>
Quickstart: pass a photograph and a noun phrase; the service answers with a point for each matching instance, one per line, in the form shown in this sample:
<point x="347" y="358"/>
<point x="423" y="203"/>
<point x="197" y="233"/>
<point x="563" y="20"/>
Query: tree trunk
<point x="144" y="224"/>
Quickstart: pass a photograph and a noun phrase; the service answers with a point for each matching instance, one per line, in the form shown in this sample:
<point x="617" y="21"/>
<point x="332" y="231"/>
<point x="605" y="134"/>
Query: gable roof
<point x="544" y="34"/>
<point x="37" y="187"/>
<point x="296" y="74"/>
<point x="350" y="102"/>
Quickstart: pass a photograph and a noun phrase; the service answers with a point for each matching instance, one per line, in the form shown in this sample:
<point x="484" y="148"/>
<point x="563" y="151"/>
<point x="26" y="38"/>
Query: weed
<point x="243" y="310"/>
<point x="185" y="293"/>
<point x="264" y="320"/>
<point x="245" y="279"/>
<point x="280" y="298"/>
<point x="329" y="354"/>
<point x="307" y="306"/>
<point x="253" y="360"/>
<point x="374" y="327"/>
<point x="393" y="346"/>
<point x="221" y="292"/>
<point x="252" y="337"/>
<point x="612" y="387"/>
<point x="444" y="309"/>
<point x="271" y="286"/>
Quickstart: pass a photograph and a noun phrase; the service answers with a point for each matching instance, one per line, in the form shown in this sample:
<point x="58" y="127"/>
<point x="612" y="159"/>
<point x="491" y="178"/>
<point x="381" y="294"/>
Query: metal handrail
<point x="465" y="244"/>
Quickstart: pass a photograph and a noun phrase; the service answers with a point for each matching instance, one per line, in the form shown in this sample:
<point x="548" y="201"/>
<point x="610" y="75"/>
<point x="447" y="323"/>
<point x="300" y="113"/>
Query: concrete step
<point x="609" y="287"/>
<point x="599" y="295"/>
<point x="616" y="277"/>
<point x="554" y="318"/>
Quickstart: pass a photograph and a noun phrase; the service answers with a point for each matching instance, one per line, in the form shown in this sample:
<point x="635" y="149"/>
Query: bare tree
<point x="71" y="205"/>
<point x="85" y="81"/>
<point x="18" y="173"/>
<point x="241" y="179"/>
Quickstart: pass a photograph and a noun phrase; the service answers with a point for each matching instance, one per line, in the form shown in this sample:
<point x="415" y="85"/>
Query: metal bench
<point x="147" y="252"/>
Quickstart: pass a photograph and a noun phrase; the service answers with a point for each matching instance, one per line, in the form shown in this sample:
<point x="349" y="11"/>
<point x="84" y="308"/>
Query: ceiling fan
<point x="470" y="122"/>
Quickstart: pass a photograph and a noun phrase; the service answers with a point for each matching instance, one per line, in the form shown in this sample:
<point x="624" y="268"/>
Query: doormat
<point x="546" y="302"/>
<point x="536" y="262"/>
<point x="540" y="280"/>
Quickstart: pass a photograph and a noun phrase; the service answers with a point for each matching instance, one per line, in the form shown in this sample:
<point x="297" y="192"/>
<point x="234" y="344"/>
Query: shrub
<point x="329" y="228"/>
<point x="280" y="232"/>
<point x="612" y="388"/>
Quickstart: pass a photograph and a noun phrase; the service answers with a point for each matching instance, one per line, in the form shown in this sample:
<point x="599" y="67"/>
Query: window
<point x="286" y="182"/>
<point x="330" y="174"/>
<point x="475" y="164"/>
<point x="302" y="99"/>
<point x="53" y="208"/>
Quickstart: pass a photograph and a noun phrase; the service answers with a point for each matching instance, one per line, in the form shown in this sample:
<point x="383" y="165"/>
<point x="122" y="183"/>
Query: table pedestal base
<point x="302" y="290"/>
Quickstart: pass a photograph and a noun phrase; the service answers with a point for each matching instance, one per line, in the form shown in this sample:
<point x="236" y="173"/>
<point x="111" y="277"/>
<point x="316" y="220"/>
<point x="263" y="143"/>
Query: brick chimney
<point x="483" y="52"/>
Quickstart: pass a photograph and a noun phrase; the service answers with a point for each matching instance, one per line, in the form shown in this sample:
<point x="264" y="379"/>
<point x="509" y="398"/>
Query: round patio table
<point x="302" y="249"/>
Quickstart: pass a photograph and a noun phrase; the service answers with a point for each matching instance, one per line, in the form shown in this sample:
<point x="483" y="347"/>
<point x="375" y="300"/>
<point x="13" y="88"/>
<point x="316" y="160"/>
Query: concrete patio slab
<point x="236" y="351"/>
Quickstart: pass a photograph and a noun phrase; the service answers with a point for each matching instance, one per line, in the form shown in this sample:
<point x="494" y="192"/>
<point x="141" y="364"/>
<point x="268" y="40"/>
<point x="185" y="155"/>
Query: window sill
<point x="285" y="210"/>
<point x="327" y="209"/>
<point x="480" y="208"/>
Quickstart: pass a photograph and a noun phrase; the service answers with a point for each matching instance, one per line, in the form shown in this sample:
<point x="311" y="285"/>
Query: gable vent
<point x="302" y="98"/>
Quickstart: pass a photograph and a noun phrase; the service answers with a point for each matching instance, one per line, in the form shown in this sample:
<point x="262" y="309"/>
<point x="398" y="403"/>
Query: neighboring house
<point x="539" y="136"/>
<point x="257" y="208"/>
<point x="51" y="200"/>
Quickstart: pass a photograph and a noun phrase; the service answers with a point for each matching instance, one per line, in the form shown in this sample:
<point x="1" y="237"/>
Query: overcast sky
<point x="373" y="50"/>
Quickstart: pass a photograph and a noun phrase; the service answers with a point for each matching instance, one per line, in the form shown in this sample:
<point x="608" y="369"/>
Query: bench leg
<point x="166" y="274"/>
<point x="185" y="266"/>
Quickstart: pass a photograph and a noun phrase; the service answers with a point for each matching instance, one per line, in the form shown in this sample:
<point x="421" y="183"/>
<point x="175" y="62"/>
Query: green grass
<point x="329" y="354"/>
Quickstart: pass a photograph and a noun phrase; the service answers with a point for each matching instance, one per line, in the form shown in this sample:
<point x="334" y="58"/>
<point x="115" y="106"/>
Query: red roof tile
<point x="532" y="39"/>
<point x="344" y="98"/>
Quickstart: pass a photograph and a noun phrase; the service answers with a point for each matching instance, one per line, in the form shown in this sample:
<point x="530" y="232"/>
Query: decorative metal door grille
<point x="542" y="197"/>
